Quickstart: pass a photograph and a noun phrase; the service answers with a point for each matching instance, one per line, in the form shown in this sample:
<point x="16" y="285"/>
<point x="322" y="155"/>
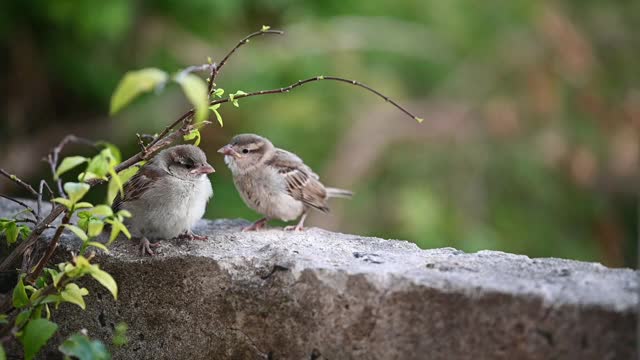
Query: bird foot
<point x="258" y="225"/>
<point x="294" y="228"/>
<point x="191" y="236"/>
<point x="145" y="247"/>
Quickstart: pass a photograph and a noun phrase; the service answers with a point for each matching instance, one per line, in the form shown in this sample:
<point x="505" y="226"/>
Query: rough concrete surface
<point x="325" y="295"/>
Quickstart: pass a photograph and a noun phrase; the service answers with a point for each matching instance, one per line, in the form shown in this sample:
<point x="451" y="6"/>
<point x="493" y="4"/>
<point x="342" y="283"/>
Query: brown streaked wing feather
<point x="302" y="182"/>
<point x="137" y="185"/>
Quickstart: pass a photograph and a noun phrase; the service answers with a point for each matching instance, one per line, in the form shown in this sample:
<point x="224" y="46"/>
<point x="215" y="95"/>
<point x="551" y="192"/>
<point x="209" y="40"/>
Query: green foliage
<point x="35" y="335"/>
<point x="72" y="293"/>
<point x="194" y="134"/>
<point x="214" y="108"/>
<point x="135" y="83"/>
<point x="20" y="298"/>
<point x="81" y="347"/>
<point x="195" y="89"/>
<point x="12" y="230"/>
<point x="120" y="334"/>
<point x="69" y="163"/>
<point x="58" y="285"/>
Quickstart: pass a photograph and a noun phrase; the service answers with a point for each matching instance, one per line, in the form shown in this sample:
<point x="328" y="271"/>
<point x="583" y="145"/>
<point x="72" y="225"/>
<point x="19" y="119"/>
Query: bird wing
<point x="137" y="186"/>
<point x="302" y="183"/>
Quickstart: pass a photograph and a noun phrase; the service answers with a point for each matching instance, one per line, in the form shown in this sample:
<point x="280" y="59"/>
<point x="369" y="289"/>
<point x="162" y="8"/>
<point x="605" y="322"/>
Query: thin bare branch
<point x="50" y="249"/>
<point x="245" y="40"/>
<point x="319" y="78"/>
<point x="53" y="156"/>
<point x="24" y="205"/>
<point x="18" y="181"/>
<point x="43" y="185"/>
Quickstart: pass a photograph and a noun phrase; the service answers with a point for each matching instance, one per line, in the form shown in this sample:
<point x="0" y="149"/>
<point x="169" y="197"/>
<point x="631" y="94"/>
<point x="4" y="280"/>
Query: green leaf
<point x="51" y="299"/>
<point x="81" y="347"/>
<point x="76" y="191"/>
<point x="120" y="334"/>
<point x="95" y="227"/>
<point x="66" y="202"/>
<point x="22" y="318"/>
<point x="20" y="298"/>
<point x="3" y="355"/>
<point x="3" y="319"/>
<point x="72" y="293"/>
<point x="56" y="278"/>
<point x="98" y="245"/>
<point x="195" y="89"/>
<point x="194" y="134"/>
<point x="124" y="213"/>
<point x="419" y="120"/>
<point x="115" y="152"/>
<point x="265" y="28"/>
<point x="11" y="231"/>
<point x="214" y="108"/>
<point x="105" y="279"/>
<point x="218" y="93"/>
<point x="76" y="230"/>
<point x="133" y="84"/>
<point x="115" y="178"/>
<point x="36" y="334"/>
<point x="69" y="163"/>
<point x="24" y="230"/>
<point x="83" y="205"/>
<point x="101" y="210"/>
<point x="116" y="227"/>
<point x="125" y="175"/>
<point x="99" y="165"/>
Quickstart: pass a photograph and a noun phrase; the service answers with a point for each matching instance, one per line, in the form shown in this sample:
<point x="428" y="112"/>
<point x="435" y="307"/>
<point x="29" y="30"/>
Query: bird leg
<point x="299" y="226"/>
<point x="257" y="225"/>
<point x="145" y="247"/>
<point x="188" y="235"/>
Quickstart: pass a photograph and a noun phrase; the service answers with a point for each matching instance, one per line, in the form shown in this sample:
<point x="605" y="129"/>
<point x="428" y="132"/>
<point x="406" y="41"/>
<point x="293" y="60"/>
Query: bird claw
<point x="191" y="236"/>
<point x="258" y="225"/>
<point x="145" y="247"/>
<point x="293" y="228"/>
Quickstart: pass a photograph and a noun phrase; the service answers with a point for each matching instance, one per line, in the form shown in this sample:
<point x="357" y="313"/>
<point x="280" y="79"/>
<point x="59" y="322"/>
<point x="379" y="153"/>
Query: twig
<point x="318" y="78"/>
<point x="43" y="185"/>
<point x="35" y="234"/>
<point x="19" y="182"/>
<point x="53" y="156"/>
<point x="25" y="220"/>
<point x="245" y="40"/>
<point x="212" y="74"/>
<point x="51" y="248"/>
<point x="143" y="148"/>
<point x="29" y="208"/>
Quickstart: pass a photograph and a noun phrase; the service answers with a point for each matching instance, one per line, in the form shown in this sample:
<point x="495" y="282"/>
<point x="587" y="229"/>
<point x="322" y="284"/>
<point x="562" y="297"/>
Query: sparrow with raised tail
<point x="167" y="196"/>
<point x="275" y="182"/>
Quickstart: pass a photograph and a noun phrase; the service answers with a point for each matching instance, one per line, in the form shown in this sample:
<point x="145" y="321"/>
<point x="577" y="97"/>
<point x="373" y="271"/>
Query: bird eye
<point x="245" y="151"/>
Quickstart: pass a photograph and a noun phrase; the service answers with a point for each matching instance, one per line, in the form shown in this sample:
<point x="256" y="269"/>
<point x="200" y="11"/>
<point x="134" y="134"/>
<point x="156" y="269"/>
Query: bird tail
<point x="338" y="193"/>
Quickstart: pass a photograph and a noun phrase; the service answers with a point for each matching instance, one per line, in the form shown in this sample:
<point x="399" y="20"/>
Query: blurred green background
<point x="531" y="139"/>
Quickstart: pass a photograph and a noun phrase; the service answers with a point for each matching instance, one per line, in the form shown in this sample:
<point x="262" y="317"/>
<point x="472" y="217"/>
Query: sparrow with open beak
<point x="275" y="182"/>
<point x="167" y="196"/>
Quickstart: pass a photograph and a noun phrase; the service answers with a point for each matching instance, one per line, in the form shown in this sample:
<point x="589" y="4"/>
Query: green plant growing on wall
<point x="41" y="288"/>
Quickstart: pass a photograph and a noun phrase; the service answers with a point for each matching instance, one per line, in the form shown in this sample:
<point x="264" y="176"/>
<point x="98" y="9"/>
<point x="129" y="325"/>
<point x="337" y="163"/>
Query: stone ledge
<point x="324" y="295"/>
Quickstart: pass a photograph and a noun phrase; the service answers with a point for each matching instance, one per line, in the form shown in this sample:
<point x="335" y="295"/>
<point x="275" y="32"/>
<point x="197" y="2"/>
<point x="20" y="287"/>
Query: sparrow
<point x="167" y="196"/>
<point x="274" y="182"/>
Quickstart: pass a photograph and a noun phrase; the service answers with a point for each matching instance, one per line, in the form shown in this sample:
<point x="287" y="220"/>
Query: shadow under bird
<point x="274" y="182"/>
<point x="167" y="196"/>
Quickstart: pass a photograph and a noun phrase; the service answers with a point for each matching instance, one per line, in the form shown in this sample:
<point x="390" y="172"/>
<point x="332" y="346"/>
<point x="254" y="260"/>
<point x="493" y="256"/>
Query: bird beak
<point x="228" y="150"/>
<point x="204" y="169"/>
